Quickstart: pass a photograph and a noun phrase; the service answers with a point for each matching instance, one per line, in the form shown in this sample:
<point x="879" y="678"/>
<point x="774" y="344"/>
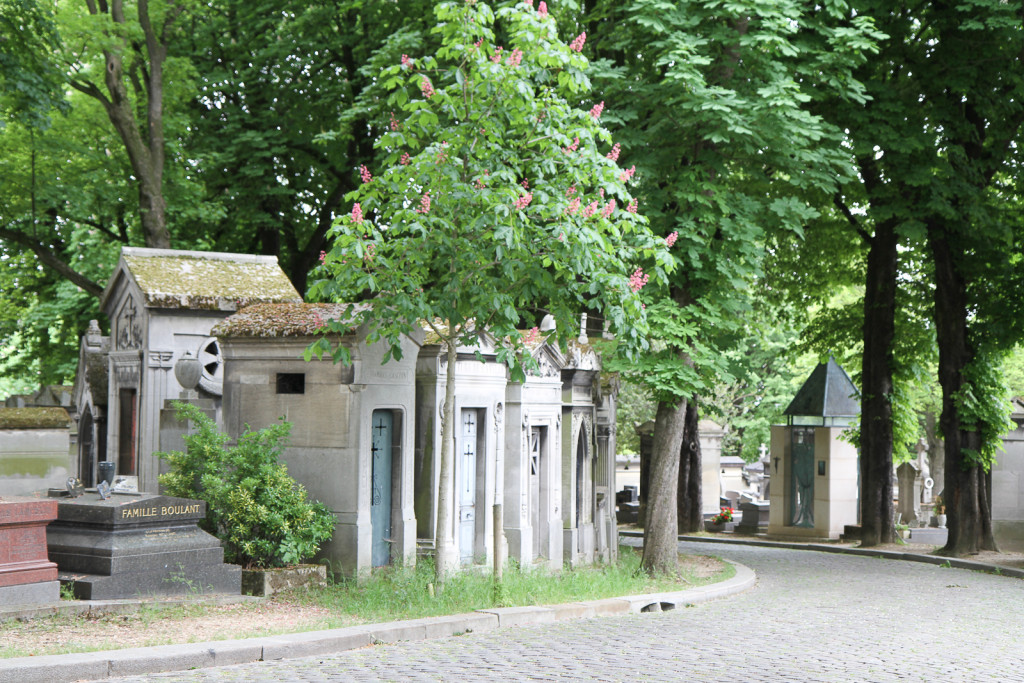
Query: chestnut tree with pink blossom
<point x="499" y="200"/>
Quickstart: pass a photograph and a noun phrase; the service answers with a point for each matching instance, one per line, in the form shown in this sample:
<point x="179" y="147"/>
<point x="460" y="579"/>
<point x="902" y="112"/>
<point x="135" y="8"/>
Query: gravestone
<point x="755" y="516"/>
<point x="909" y="480"/>
<point x="27" y="577"/>
<point x="142" y="545"/>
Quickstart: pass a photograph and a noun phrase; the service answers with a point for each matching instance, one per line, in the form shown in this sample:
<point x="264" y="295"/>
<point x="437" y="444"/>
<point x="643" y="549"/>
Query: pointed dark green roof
<point x="828" y="392"/>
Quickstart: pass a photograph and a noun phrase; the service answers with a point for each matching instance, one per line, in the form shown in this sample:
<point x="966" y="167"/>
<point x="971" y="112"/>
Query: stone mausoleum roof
<point x="280" y="320"/>
<point x="828" y="392"/>
<point x="203" y="280"/>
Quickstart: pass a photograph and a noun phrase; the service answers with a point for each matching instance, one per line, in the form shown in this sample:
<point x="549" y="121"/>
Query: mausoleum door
<point x="802" y="477"/>
<point x="86" y="450"/>
<point x="380" y="484"/>
<point x="536" y="444"/>
<point x="467" y="487"/>
<point x="582" y="486"/>
<point x="128" y="426"/>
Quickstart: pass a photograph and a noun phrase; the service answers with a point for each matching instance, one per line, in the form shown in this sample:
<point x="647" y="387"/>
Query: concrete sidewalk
<point x="135" y="661"/>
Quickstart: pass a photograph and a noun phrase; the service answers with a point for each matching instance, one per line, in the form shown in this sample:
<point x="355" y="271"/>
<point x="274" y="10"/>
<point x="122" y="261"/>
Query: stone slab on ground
<point x="930" y="535"/>
<point x="30" y="594"/>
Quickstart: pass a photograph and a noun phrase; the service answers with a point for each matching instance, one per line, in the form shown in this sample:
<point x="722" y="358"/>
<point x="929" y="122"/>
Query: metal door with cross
<point x="467" y="487"/>
<point x="380" y="487"/>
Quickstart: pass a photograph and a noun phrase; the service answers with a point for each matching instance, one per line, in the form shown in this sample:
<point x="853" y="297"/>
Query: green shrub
<point x="261" y="514"/>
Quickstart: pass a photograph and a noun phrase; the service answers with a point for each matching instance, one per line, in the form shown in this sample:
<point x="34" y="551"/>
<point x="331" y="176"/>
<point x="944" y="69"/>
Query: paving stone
<point x="812" y="617"/>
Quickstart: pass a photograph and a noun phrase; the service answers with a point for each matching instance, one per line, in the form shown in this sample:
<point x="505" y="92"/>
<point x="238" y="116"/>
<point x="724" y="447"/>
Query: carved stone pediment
<point x="129" y="326"/>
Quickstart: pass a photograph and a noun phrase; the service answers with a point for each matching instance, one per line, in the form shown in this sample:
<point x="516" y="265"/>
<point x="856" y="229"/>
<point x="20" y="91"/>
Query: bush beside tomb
<point x="260" y="513"/>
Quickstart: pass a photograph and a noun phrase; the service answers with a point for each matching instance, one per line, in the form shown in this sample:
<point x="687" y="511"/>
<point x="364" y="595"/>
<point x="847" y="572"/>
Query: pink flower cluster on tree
<point x="357" y="213"/>
<point x="424" y="203"/>
<point x="577" y="44"/>
<point x="516" y="58"/>
<point x="614" y="154"/>
<point x="637" y="280"/>
<point x="595" y="111"/>
<point x="524" y="201"/>
<point x="427" y="88"/>
<point x="671" y="239"/>
<point x="364" y="173"/>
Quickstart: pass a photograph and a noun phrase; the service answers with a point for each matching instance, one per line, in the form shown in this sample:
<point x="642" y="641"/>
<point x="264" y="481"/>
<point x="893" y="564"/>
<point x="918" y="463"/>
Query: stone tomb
<point x="27" y="577"/>
<point x="131" y="546"/>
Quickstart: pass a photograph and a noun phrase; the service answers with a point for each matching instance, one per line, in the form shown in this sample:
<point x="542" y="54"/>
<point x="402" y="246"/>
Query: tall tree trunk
<point x="966" y="497"/>
<point x="691" y="474"/>
<point x="145" y="153"/>
<point x="443" y="530"/>
<point x="661" y="541"/>
<point x="876" y="439"/>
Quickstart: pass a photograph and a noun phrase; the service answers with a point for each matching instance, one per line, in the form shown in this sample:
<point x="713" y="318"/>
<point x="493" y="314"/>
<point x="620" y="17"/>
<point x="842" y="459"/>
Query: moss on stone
<point x="215" y="283"/>
<point x="34" y="418"/>
<point x="285" y="320"/>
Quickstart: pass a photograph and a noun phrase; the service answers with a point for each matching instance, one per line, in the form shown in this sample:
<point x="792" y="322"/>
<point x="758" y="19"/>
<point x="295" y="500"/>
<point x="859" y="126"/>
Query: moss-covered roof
<point x="282" y="320"/>
<point x="34" y="418"/>
<point x="211" y="281"/>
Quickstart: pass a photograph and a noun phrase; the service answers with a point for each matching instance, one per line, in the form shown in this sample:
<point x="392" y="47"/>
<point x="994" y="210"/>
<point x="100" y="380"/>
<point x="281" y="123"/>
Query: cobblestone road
<point x="812" y="617"/>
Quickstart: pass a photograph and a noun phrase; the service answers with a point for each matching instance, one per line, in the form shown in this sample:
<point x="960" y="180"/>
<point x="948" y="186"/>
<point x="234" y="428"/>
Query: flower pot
<point x="721" y="526"/>
<point x="941" y="520"/>
<point x="270" y="581"/>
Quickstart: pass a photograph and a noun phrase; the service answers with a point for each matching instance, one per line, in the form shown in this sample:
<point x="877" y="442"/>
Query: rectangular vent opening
<point x="291" y="383"/>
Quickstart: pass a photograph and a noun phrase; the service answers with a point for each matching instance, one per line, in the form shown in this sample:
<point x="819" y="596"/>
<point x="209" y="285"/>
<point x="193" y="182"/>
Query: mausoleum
<point x="161" y="304"/>
<point x="532" y="507"/>
<point x="479" y="444"/>
<point x="352" y="425"/>
<point x="815" y="490"/>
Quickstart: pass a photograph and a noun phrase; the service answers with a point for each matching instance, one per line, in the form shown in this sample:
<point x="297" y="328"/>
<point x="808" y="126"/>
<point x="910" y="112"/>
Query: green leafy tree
<point x="716" y="112"/>
<point x="259" y="512"/>
<point x="246" y="86"/>
<point x="936" y="149"/>
<point x="496" y="201"/>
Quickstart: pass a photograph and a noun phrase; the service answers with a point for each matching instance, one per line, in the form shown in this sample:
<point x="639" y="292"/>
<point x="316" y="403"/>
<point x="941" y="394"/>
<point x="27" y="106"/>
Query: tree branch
<point x="50" y="260"/>
<point x="850" y="218"/>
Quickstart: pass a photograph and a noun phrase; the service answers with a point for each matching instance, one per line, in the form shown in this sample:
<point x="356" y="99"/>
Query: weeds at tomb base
<point x="386" y="595"/>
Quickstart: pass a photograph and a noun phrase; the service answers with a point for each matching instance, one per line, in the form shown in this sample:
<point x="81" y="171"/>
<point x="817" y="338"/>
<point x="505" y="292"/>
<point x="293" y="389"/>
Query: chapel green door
<point x="802" y="477"/>
<point x="380" y="484"/>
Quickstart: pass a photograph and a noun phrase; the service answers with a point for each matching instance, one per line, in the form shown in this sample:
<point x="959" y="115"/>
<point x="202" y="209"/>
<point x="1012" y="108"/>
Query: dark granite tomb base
<point x="137" y="546"/>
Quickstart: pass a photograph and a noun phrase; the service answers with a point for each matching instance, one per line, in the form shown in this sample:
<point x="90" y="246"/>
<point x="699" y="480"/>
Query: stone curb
<point x="937" y="560"/>
<point x="147" y="660"/>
